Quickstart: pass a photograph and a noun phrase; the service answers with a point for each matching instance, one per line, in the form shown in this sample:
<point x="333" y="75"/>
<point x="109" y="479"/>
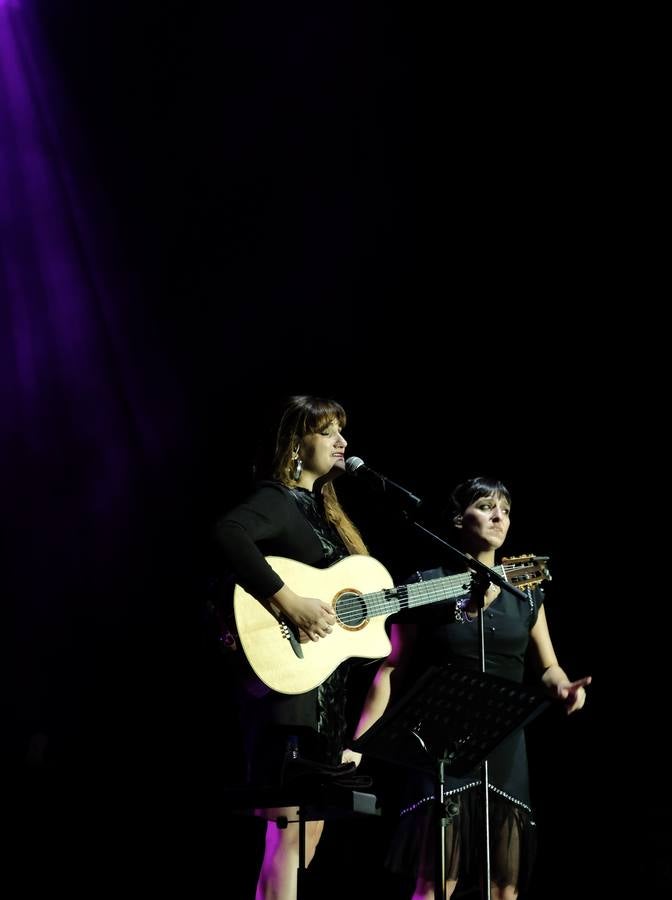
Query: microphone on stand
<point x="356" y="466"/>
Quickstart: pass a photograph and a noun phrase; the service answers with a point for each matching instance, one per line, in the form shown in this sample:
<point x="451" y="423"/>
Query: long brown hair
<point x="304" y="415"/>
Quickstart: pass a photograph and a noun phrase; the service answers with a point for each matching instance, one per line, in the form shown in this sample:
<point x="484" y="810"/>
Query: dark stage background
<point x="441" y="224"/>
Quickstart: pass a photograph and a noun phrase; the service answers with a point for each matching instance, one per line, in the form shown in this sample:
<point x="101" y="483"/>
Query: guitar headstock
<point x="526" y="571"/>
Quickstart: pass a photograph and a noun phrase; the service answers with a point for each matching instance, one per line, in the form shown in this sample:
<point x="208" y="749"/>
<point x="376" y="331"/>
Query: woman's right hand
<point x="351" y="756"/>
<point x="312" y="616"/>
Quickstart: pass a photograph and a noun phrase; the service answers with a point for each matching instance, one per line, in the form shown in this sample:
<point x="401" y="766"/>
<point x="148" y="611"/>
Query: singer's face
<point x="323" y="453"/>
<point x="485" y="523"/>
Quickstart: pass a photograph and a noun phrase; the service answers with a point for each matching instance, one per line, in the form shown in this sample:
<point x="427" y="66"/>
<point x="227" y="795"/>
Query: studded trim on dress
<point x="467" y="787"/>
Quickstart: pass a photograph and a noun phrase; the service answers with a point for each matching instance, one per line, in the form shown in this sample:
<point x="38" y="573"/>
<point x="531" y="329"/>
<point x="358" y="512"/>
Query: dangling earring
<point x="298" y="467"/>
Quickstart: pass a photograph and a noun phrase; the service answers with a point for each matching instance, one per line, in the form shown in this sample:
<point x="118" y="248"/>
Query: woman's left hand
<point x="573" y="693"/>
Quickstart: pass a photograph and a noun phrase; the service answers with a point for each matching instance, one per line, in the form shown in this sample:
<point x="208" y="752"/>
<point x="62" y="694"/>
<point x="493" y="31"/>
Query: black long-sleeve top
<point x="278" y="521"/>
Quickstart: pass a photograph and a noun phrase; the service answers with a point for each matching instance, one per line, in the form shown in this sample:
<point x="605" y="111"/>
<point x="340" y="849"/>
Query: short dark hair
<point x="473" y="489"/>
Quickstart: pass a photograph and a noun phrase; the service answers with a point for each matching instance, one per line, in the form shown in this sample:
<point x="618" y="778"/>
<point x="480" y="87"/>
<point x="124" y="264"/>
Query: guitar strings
<point x="354" y="608"/>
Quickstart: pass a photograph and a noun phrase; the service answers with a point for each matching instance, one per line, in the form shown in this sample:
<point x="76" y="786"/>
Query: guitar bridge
<point x="289" y="632"/>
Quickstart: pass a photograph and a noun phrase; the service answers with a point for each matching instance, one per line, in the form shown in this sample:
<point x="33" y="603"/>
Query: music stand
<point x="447" y="724"/>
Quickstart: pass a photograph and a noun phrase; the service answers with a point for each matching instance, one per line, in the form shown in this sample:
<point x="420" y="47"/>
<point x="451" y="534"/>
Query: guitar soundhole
<point x="350" y="610"/>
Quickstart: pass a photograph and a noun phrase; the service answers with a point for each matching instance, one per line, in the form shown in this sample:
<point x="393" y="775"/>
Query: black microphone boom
<point x="356" y="466"/>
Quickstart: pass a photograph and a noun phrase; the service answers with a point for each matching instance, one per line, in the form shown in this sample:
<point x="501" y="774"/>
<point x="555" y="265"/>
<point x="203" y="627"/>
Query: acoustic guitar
<point x="362" y="594"/>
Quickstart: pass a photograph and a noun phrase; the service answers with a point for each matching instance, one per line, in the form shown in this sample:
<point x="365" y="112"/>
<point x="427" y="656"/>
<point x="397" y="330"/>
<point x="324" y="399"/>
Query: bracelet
<point x="461" y="614"/>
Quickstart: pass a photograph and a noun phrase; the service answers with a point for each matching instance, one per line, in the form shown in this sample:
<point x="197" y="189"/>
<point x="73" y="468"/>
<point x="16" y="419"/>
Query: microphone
<point x="356" y="466"/>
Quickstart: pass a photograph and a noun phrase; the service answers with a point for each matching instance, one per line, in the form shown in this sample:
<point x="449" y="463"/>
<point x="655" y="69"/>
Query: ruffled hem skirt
<point x="512" y="840"/>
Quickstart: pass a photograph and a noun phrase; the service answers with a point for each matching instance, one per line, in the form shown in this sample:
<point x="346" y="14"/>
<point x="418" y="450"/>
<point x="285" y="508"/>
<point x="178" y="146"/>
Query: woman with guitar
<point x="295" y="515"/>
<point x="448" y="632"/>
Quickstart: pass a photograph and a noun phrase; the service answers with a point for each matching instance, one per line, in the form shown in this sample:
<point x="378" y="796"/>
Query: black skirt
<point x="512" y="840"/>
<point x="272" y="741"/>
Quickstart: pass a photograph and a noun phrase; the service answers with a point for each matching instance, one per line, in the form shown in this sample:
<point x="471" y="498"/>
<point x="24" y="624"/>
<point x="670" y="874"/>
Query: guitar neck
<point x="406" y="596"/>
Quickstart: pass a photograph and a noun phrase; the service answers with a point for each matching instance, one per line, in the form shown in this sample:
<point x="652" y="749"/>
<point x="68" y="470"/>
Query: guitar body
<point x="271" y="644"/>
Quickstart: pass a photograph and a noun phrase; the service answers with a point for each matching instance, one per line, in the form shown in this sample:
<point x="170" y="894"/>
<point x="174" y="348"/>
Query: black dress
<point x="441" y="638"/>
<point x="278" y="521"/>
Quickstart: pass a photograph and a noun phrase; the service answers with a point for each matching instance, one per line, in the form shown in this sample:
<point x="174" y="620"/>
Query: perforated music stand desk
<point x="447" y="724"/>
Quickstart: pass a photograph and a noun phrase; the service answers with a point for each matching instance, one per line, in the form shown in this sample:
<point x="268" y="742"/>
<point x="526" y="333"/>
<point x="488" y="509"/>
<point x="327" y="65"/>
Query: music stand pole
<point x="440" y="814"/>
<point x="440" y="803"/>
<point x="484" y="764"/>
